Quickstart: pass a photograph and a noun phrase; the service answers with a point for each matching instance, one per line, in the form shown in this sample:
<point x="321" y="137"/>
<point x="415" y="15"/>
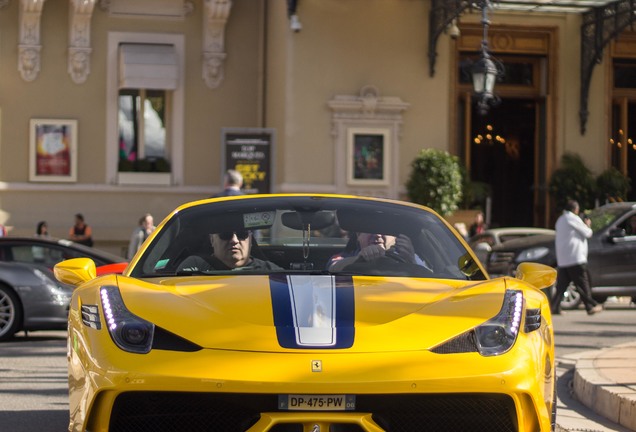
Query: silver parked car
<point x="482" y="243"/>
<point x="31" y="299"/>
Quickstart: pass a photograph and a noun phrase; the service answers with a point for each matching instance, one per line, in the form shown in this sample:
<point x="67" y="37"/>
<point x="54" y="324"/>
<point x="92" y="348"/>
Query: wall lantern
<point x="486" y="70"/>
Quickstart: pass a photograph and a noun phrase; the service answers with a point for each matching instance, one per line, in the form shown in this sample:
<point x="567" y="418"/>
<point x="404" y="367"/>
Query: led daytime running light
<point x="499" y="334"/>
<point x="129" y="332"/>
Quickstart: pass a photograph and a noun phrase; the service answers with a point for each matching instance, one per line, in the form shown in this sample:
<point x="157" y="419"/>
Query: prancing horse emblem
<point x="316" y="428"/>
<point x="316" y="366"/>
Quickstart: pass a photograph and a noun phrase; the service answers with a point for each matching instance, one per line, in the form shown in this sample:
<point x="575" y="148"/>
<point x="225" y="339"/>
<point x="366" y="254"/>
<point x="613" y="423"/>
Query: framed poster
<point x="53" y="150"/>
<point x="250" y="152"/>
<point x="368" y="156"/>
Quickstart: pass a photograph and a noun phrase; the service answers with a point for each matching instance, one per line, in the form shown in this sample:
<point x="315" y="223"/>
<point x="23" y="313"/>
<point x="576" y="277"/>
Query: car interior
<point x="304" y="239"/>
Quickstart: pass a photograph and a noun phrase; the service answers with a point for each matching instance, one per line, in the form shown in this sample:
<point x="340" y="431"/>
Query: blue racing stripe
<point x="316" y="311"/>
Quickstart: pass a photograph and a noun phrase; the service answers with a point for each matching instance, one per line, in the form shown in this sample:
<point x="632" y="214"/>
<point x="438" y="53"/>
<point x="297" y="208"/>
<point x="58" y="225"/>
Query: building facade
<point x="116" y="108"/>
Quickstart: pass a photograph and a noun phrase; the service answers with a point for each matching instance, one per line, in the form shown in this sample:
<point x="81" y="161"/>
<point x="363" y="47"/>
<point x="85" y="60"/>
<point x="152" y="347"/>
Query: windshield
<point x="604" y="216"/>
<point x="301" y="234"/>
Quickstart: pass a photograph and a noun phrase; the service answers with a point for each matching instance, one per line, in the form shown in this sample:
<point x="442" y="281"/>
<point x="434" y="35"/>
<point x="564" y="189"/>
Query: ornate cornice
<point x="29" y="43"/>
<point x="188" y="6"/>
<point x="215" y="16"/>
<point x="79" y="35"/>
<point x="367" y="104"/>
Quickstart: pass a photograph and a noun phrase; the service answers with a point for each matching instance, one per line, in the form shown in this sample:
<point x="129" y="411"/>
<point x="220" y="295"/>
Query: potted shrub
<point x="572" y="180"/>
<point x="436" y="181"/>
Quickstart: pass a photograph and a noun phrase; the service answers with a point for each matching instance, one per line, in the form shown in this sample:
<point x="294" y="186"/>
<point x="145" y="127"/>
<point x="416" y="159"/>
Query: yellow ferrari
<point x="308" y="313"/>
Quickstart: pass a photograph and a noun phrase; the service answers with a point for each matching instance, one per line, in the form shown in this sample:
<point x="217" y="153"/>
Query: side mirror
<point x="616" y="234"/>
<point x="75" y="271"/>
<point x="539" y="275"/>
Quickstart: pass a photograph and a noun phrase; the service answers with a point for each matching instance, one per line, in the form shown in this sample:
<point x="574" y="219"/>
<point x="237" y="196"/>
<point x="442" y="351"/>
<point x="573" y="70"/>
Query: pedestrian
<point x="478" y="226"/>
<point x="81" y="232"/>
<point x="232" y="183"/>
<point x="140" y="234"/>
<point x="42" y="229"/>
<point x="572" y="233"/>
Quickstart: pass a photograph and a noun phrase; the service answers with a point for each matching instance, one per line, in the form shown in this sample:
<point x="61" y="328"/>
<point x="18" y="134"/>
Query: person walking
<point x="81" y="232"/>
<point x="140" y="234"/>
<point x="232" y="183"/>
<point x="572" y="233"/>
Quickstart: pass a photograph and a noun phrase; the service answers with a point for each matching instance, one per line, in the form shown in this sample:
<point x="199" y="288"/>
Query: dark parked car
<point x="611" y="254"/>
<point x="50" y="251"/>
<point x="30" y="296"/>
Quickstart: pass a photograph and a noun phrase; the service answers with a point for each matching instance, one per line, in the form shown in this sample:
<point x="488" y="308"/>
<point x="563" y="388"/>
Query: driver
<point x="369" y="247"/>
<point x="232" y="250"/>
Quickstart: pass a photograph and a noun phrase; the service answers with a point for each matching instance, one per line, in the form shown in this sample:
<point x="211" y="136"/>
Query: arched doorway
<point x="510" y="149"/>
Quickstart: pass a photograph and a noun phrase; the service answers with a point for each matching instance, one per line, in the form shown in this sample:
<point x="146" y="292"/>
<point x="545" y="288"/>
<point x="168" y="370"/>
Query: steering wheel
<point x="388" y="265"/>
<point x="393" y="255"/>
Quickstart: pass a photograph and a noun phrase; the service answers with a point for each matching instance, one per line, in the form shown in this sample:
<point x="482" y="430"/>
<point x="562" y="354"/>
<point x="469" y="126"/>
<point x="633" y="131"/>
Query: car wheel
<point x="10" y="313"/>
<point x="571" y="298"/>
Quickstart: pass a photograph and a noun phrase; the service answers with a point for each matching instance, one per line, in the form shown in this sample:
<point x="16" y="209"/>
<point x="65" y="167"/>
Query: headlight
<point x="499" y="334"/>
<point x="494" y="337"/>
<point x="128" y="331"/>
<point x="533" y="254"/>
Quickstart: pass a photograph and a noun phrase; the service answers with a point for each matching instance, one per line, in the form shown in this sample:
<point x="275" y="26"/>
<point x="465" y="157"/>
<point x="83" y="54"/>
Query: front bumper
<point x="395" y="391"/>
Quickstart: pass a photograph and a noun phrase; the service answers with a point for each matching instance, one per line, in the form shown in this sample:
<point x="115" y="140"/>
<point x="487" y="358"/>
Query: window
<point x="142" y="131"/>
<point x="625" y="73"/>
<point x="145" y="108"/>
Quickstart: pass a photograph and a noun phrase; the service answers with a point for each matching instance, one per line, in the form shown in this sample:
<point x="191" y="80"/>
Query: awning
<point x="148" y="66"/>
<point x="559" y="6"/>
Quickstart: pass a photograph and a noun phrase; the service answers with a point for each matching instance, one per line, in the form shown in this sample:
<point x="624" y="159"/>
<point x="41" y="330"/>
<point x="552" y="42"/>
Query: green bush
<point x="436" y="181"/>
<point x="573" y="180"/>
<point x="612" y="186"/>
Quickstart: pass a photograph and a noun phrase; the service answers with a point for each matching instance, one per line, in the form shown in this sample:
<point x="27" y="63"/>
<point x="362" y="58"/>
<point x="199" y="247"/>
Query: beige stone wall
<point x="274" y="78"/>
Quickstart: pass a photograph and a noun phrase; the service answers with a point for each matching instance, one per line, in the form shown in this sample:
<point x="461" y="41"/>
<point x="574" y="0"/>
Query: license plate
<point x="305" y="402"/>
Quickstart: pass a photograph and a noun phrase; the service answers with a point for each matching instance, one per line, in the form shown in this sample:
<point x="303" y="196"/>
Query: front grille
<point x="448" y="413"/>
<point x="171" y="411"/>
<point x="194" y="412"/>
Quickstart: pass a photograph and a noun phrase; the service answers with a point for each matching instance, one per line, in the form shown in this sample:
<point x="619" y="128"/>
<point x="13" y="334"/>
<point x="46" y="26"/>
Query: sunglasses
<point x="227" y="235"/>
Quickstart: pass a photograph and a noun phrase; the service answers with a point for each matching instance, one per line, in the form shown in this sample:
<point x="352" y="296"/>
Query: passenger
<point x="231" y="250"/>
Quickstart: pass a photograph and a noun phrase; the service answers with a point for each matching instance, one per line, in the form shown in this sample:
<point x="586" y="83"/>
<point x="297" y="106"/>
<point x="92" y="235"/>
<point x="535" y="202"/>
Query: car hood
<point x="275" y="313"/>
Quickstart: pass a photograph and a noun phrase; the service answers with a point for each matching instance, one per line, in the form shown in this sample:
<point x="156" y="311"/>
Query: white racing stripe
<point x="313" y="302"/>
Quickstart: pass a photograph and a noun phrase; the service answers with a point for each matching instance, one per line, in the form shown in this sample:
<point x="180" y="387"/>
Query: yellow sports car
<point x="307" y="312"/>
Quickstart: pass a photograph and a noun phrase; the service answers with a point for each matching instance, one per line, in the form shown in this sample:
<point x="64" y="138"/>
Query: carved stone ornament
<point x="29" y="61"/>
<point x="215" y="18"/>
<point x="29" y="43"/>
<point x="213" y="71"/>
<point x="79" y="50"/>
